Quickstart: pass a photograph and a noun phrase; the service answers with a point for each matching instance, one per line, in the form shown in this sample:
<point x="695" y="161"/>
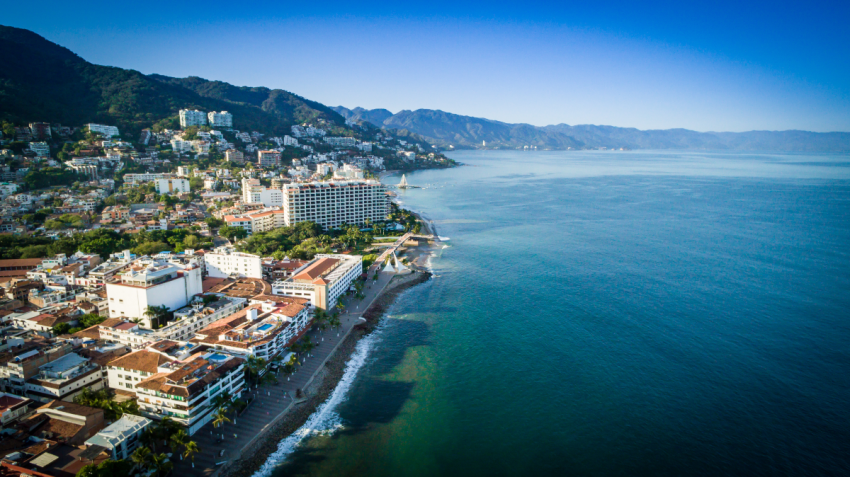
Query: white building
<point x="341" y="141"/>
<point x="323" y="280"/>
<point x="225" y="262"/>
<point x="134" y="179"/>
<point x="122" y="437"/>
<point x="103" y="130"/>
<point x="289" y="141"/>
<point x="64" y="378"/>
<point x="184" y="171"/>
<point x="348" y="172"/>
<point x="41" y="149"/>
<point x="222" y="119"/>
<point x="192" y="117"/>
<point x="180" y="146"/>
<point x="255" y="193"/>
<point x="171" y="186"/>
<point x="270" y="158"/>
<point x="268" y="326"/>
<point x="330" y="204"/>
<point x="185" y="389"/>
<point x="149" y="282"/>
<point x="190" y="319"/>
<point x="124" y="372"/>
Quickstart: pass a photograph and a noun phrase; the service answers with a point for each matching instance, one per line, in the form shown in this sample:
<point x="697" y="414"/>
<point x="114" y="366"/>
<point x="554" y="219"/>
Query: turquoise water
<point x="600" y="313"/>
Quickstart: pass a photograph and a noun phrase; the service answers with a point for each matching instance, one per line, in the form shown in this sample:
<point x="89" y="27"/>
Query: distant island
<point x="452" y="131"/>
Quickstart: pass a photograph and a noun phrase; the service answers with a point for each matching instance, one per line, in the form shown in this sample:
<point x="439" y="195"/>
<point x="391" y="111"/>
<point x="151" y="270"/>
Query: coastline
<point x="320" y="389"/>
<point x="323" y="385"/>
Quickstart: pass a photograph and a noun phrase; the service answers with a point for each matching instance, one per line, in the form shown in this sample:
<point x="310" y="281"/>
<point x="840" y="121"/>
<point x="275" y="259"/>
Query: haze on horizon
<point x="727" y="67"/>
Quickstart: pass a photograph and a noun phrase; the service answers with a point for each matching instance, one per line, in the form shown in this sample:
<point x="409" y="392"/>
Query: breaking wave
<point x="325" y="420"/>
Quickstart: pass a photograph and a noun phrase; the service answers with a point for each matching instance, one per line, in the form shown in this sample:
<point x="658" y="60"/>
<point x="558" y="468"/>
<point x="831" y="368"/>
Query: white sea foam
<point x="325" y="420"/>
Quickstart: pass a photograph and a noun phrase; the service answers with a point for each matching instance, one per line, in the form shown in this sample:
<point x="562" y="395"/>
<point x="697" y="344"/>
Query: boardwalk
<point x="273" y="401"/>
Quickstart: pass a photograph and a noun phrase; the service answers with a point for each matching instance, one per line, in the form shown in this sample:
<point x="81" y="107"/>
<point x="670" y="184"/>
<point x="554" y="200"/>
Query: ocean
<point x="609" y="313"/>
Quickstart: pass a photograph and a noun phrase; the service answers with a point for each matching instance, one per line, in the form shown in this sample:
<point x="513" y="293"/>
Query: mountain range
<point x="43" y="81"/>
<point x="447" y="129"/>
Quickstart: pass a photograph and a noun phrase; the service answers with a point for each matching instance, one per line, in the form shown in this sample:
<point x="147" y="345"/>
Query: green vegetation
<point x="85" y="321"/>
<point x="51" y="176"/>
<point x="112" y="410"/>
<point x="107" y="468"/>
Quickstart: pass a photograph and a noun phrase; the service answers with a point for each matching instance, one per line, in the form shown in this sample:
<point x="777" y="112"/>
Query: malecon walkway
<point x="274" y="400"/>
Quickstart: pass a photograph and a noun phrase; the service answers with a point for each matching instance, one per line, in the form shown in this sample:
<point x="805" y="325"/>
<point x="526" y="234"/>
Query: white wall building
<point x="323" y="280"/>
<point x="150" y="282"/>
<point x="171" y="186"/>
<point x="105" y="131"/>
<point x="221" y="119"/>
<point x="255" y="193"/>
<point x="224" y="262"/>
<point x="122" y="437"/>
<point x="192" y="117"/>
<point x="331" y="204"/>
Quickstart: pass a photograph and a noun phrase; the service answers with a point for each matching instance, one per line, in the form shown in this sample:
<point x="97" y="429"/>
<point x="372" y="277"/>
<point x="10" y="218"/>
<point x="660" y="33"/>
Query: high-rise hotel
<point x="334" y="203"/>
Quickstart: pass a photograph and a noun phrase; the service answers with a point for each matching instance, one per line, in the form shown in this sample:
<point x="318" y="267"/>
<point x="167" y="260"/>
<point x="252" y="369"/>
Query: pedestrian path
<point x="272" y="401"/>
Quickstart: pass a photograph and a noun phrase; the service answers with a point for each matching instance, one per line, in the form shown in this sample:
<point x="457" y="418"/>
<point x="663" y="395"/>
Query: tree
<point x="61" y="329"/>
<point x="178" y="440"/>
<point x="214" y="222"/>
<point x="142" y="457"/>
<point x="190" y="449"/>
<point x="232" y="233"/>
<point x="220" y="417"/>
<point x="107" y="468"/>
<point x="156" y="314"/>
<point x="161" y="465"/>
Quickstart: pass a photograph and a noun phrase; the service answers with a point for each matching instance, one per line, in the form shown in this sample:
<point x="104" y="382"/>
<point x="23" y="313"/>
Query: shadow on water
<point x="373" y="400"/>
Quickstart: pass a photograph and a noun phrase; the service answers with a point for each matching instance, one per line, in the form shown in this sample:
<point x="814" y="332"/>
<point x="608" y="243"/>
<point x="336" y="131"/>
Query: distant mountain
<point x="444" y="129"/>
<point x="374" y="116"/>
<point x="42" y="81"/>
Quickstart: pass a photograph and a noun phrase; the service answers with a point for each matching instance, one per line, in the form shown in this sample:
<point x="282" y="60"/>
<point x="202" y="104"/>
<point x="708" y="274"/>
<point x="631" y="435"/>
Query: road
<point x="273" y="401"/>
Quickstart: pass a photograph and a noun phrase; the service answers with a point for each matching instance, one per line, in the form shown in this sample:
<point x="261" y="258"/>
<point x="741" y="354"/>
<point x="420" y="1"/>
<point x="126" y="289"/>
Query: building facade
<point x="221" y="119"/>
<point x="323" y="280"/>
<point x="171" y="186"/>
<point x="192" y="117"/>
<point x="225" y="262"/>
<point x="330" y="204"/>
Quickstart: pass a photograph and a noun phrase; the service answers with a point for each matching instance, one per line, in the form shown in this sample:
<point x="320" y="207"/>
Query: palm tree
<point x="220" y="417"/>
<point x="190" y="449"/>
<point x="178" y="439"/>
<point x="141" y="457"/>
<point x="161" y="464"/>
<point x="223" y="399"/>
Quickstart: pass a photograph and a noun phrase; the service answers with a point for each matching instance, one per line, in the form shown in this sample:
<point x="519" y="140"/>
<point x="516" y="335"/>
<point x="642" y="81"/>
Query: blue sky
<point x="714" y="66"/>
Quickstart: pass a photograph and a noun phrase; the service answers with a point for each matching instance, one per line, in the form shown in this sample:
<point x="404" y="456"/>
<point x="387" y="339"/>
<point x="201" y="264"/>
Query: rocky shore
<point x="324" y="383"/>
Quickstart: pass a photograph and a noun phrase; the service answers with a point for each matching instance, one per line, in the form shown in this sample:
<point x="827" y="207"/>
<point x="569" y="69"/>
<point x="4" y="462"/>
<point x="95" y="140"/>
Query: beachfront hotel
<point x="323" y="280"/>
<point x="264" y="329"/>
<point x="184" y="389"/>
<point x="331" y="204"/>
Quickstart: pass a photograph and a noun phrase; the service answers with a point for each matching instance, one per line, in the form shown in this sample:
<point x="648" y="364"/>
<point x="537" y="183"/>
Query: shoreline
<point x="253" y="458"/>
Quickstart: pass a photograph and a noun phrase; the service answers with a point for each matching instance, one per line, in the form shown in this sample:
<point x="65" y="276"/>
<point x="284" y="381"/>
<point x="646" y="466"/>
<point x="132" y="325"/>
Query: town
<point x="150" y="287"/>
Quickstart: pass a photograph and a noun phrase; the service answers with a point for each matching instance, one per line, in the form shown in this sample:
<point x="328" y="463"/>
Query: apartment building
<point x="224" y="262"/>
<point x="233" y="155"/>
<point x="122" y="437"/>
<point x="268" y="326"/>
<point x="268" y="158"/>
<point x="171" y="186"/>
<point x="221" y="119"/>
<point x="341" y="141"/>
<point x="124" y="372"/>
<point x="192" y="117"/>
<point x="41" y="149"/>
<point x="134" y="179"/>
<point x="184" y="389"/>
<point x="330" y="204"/>
<point x="197" y="315"/>
<point x="323" y="280"/>
<point x="149" y="282"/>
<point x="103" y="130"/>
<point x="255" y="193"/>
<point x="64" y="378"/>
